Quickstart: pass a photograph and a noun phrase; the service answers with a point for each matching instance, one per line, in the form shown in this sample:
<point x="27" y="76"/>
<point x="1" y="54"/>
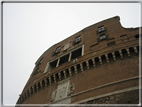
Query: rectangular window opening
<point x="53" y="64"/>
<point x="103" y="36"/>
<point x="76" y="53"/>
<point x="101" y="29"/>
<point x="64" y="59"/>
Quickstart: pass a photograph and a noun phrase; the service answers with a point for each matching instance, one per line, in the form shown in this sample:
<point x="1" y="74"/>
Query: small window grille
<point x="77" y="39"/>
<point x="57" y="50"/>
<point x="102" y="37"/>
<point x="101" y="29"/>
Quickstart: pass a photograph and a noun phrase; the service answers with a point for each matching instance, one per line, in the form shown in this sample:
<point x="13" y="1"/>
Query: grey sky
<point x="29" y="29"/>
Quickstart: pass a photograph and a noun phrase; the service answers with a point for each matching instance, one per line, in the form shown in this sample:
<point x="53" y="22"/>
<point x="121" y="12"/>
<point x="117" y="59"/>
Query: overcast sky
<point x="29" y="29"/>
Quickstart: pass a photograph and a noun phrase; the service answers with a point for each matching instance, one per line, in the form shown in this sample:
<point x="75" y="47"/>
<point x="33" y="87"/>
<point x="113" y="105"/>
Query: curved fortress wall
<point x="97" y="65"/>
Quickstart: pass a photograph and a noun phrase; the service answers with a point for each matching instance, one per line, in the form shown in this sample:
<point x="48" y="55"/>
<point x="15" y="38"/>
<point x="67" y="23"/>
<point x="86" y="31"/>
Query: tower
<point x="97" y="65"/>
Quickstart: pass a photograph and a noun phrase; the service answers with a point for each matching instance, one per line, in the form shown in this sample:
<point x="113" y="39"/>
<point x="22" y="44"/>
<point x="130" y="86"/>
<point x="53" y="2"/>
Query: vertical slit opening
<point x="90" y="63"/>
<point x="124" y="53"/>
<point x="73" y="70"/>
<point x="84" y="66"/>
<point x="104" y="61"/>
<point x="67" y="73"/>
<point x="43" y="83"/>
<point x="110" y="57"/>
<point x="78" y="68"/>
<point x="39" y="87"/>
<point x="62" y="75"/>
<point x="47" y="79"/>
<point x="57" y="77"/>
<point x="97" y="62"/>
<point x="117" y="55"/>
<point x="35" y="88"/>
<point x="132" y="51"/>
<point x="52" y="79"/>
<point x="31" y="90"/>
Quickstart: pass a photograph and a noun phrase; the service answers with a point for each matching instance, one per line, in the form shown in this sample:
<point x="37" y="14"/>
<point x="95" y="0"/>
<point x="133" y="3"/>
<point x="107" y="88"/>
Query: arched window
<point x="124" y="53"/>
<point x="117" y="55"/>
<point x="84" y="66"/>
<point x="67" y="73"/>
<point x="97" y="62"/>
<point x="90" y="63"/>
<point x="110" y="57"/>
<point x="43" y="83"/>
<point x="132" y="51"/>
<point x="73" y="70"/>
<point x="35" y="88"/>
<point x="78" y="68"/>
<point x="103" y="59"/>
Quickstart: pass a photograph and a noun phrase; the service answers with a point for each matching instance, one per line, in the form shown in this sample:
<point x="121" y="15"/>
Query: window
<point x="75" y="53"/>
<point x="138" y="35"/>
<point x="77" y="39"/>
<point x="57" y="50"/>
<point x="101" y="29"/>
<point x="64" y="59"/>
<point x="103" y="36"/>
<point x="53" y="64"/>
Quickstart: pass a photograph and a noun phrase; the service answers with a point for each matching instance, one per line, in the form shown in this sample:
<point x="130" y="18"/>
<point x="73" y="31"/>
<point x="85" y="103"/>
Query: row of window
<point x="77" y="40"/>
<point x="78" y="68"/>
<point x="65" y="58"/>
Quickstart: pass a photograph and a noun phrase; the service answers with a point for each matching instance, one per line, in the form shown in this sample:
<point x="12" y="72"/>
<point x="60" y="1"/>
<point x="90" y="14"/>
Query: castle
<point x="97" y="65"/>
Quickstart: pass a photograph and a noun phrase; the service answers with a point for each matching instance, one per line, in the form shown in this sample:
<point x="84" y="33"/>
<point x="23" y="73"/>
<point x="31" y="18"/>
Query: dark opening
<point x="25" y="96"/>
<point x="124" y="53"/>
<point x="43" y="83"/>
<point x="117" y="55"/>
<point x="138" y="36"/>
<point x="97" y="62"/>
<point x="28" y="94"/>
<point x="39" y="87"/>
<point x="103" y="59"/>
<point x="138" y="48"/>
<point x="84" y="66"/>
<point x="78" y="68"/>
<point x="76" y="53"/>
<point x="64" y="59"/>
<point x="47" y="79"/>
<point x="53" y="64"/>
<point x="62" y="75"/>
<point x="110" y="57"/>
<point x="52" y="79"/>
<point x="90" y="63"/>
<point x="31" y="90"/>
<point x="57" y="77"/>
<point x="73" y="70"/>
<point x="67" y="73"/>
<point x="132" y="51"/>
<point x="35" y="88"/>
